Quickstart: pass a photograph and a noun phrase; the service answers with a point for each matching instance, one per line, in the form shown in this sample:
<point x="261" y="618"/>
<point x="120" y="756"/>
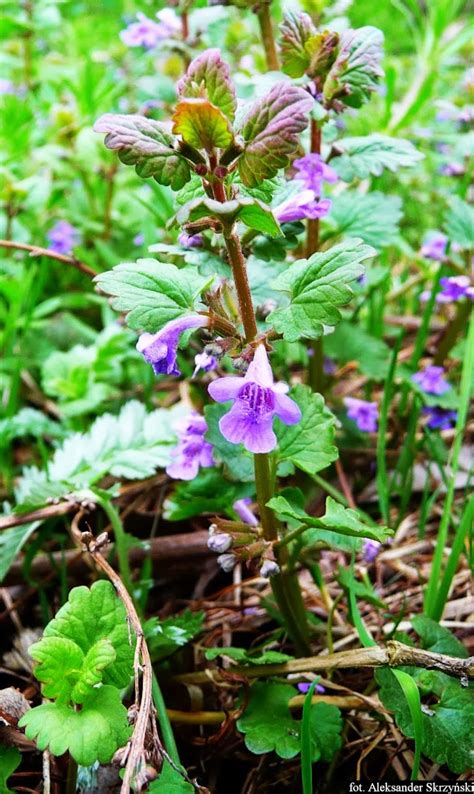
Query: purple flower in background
<point x="304" y="686"/>
<point x="62" y="237"/>
<point x="454" y="288"/>
<point x="190" y="240"/>
<point x="364" y="414"/>
<point x="160" y="350"/>
<point x="329" y="366"/>
<point x="139" y="239"/>
<point x="452" y="169"/>
<point x="434" y="246"/>
<point x="303" y="205"/>
<point x="257" y="400"/>
<point x="241" y="507"/>
<point x="192" y="450"/>
<point x="7" y="87"/>
<point x="370" y="550"/>
<point x="439" y="418"/>
<point x="312" y="170"/>
<point x="431" y="380"/>
<point x="147" y="33"/>
<point x="205" y="362"/>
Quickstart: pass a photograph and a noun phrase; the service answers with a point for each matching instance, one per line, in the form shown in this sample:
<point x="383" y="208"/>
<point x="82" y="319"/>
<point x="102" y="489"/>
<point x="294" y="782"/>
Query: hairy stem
<point x="266" y="32"/>
<point x="239" y="271"/>
<point x="315" y="366"/>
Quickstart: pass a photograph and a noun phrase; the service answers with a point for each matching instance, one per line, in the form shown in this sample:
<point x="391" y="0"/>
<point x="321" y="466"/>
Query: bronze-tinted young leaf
<point x="270" y="130"/>
<point x="356" y="70"/>
<point x="296" y="31"/>
<point x="208" y="77"/>
<point x="202" y="125"/>
<point x="147" y="145"/>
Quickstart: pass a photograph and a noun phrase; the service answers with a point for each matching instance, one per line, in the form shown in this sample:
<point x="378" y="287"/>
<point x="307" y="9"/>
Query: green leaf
<point x="208" y="493"/>
<point x="270" y="130"/>
<point x="356" y="70"/>
<point x="237" y="462"/>
<point x="170" y="782"/>
<point x="28" y="422"/>
<point x="437" y="638"/>
<point x="164" y="637"/>
<point x="93" y="734"/>
<point x="362" y="590"/>
<point x="11" y="542"/>
<point x="89" y="616"/>
<point x="447" y="723"/>
<point x="151" y="292"/>
<point x="351" y="343"/>
<point x="147" y="145"/>
<point x="342" y="520"/>
<point x="297" y="30"/>
<point x="318" y="287"/>
<point x="310" y="443"/>
<point x="326" y="726"/>
<point x="267" y="722"/>
<point x="202" y="125"/>
<point x="208" y="76"/>
<point x="459" y="223"/>
<point x="369" y="155"/>
<point x="250" y="211"/>
<point x="10" y="759"/>
<point x="374" y="217"/>
<point x="248" y="657"/>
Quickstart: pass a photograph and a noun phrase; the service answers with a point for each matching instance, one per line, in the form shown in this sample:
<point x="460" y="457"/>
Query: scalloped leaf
<point x="296" y="31"/>
<point x="356" y="71"/>
<point x="208" y="77"/>
<point x="147" y="145"/>
<point x="93" y="734"/>
<point x="202" y="125"/>
<point x="310" y="443"/>
<point x="318" y="287"/>
<point x="270" y="130"/>
<point x="370" y="155"/>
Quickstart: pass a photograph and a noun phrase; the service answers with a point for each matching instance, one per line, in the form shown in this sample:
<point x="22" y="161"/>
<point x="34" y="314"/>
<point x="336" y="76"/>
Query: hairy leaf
<point x="296" y="31"/>
<point x="318" y="287"/>
<point x="374" y="217"/>
<point x="267" y="722"/>
<point x="326" y="727"/>
<point x="202" y="125"/>
<point x="356" y="70"/>
<point x="147" y="145"/>
<point x="270" y="130"/>
<point x="459" y="223"/>
<point x="310" y="443"/>
<point x="93" y="734"/>
<point x="369" y="155"/>
<point x="208" y="76"/>
<point x="208" y="493"/>
<point x="352" y="343"/>
<point x="337" y="518"/>
<point x="436" y="638"/>
<point x="166" y="636"/>
<point x="170" y="782"/>
<point x="28" y="422"/>
<point x="250" y="211"/>
<point x="151" y="292"/>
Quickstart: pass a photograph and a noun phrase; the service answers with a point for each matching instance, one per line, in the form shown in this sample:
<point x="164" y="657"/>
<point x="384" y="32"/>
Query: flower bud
<point x="269" y="568"/>
<point x="227" y="562"/>
<point x="219" y="543"/>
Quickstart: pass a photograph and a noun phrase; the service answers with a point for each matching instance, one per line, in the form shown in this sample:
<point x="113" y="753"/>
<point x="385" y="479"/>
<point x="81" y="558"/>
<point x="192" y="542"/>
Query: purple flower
<point x="7" y="87"/>
<point x="62" y="237"/>
<point x="303" y="205"/>
<point x="431" y="381"/>
<point x="160" y="350"/>
<point x="257" y="399"/>
<point x="454" y="288"/>
<point x="364" y="414"/>
<point x="269" y="568"/>
<point x="304" y="686"/>
<point x="312" y="170"/>
<point x="371" y="550"/>
<point x="434" y="246"/>
<point x="190" y="240"/>
<point x="227" y="562"/>
<point x="329" y="366"/>
<point x="241" y="507"/>
<point x="452" y="169"/>
<point x="220" y="542"/>
<point x="439" y="418"/>
<point x="147" y="33"/>
<point x="205" y="362"/>
<point x="192" y="450"/>
<point x="139" y="239"/>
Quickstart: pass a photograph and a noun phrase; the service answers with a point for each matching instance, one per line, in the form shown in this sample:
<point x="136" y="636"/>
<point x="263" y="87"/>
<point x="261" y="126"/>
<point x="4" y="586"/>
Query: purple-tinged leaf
<point x="271" y="129"/>
<point x="208" y="77"/>
<point x="202" y="125"/>
<point x="297" y="30"/>
<point x="147" y="145"/>
<point x="356" y="70"/>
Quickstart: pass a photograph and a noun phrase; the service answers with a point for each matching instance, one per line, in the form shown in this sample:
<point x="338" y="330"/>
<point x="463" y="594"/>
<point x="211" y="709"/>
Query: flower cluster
<point x="364" y="414"/>
<point x="62" y="237"/>
<point x="453" y="288"/>
<point x="312" y="171"/>
<point x="192" y="451"/>
<point x="145" y="32"/>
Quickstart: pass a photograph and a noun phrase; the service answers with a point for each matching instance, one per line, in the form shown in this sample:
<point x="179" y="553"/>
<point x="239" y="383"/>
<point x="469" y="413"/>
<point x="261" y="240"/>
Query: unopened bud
<point x="227" y="562"/>
<point x="221" y="171"/>
<point x="201" y="169"/>
<point x="269" y="568"/>
<point x="240" y="364"/>
<point x="213" y="529"/>
<point x="219" y="543"/>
